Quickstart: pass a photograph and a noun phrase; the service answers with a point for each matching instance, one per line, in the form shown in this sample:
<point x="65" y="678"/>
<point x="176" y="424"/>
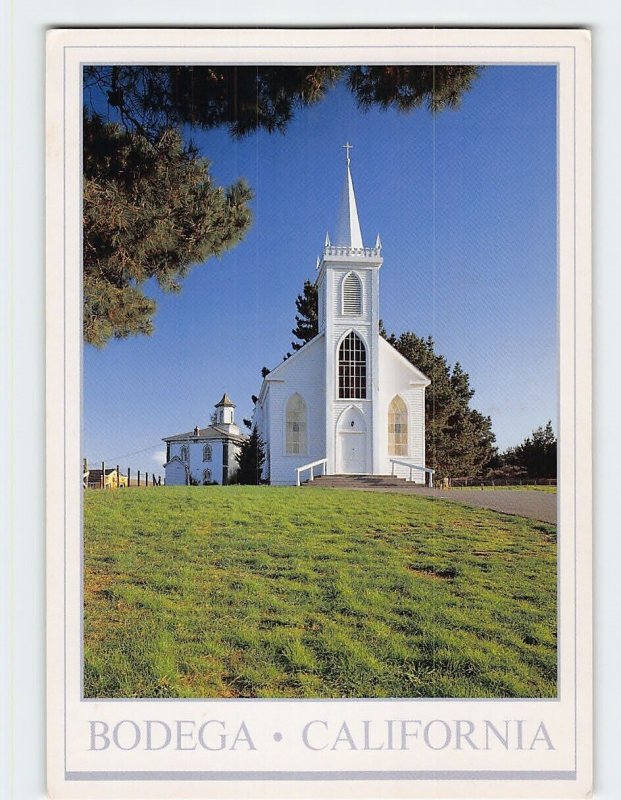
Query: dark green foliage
<point x="150" y="211"/>
<point x="459" y="441"/>
<point x="307" y="321"/>
<point x="251" y="457"/>
<point x="248" y="98"/>
<point x="242" y="98"/>
<point x="535" y="457"/>
<point x="410" y="86"/>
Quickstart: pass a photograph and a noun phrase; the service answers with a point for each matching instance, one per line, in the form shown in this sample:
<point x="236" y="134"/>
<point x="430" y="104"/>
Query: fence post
<point x="138" y="477"/>
<point x="102" y="482"/>
<point x="118" y="477"/>
<point x="129" y="472"/>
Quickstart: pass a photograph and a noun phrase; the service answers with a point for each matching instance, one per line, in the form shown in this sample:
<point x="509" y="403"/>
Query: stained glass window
<point x="295" y="422"/>
<point x="397" y="427"/>
<point x="352" y="368"/>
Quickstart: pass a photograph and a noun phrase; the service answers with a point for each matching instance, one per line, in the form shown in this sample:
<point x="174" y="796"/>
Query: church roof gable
<point x="418" y="375"/>
<point x="275" y="374"/>
<point x="282" y="367"/>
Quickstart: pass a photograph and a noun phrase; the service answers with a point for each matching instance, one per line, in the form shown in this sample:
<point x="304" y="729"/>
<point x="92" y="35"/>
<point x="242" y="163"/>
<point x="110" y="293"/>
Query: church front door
<point x="353" y="453"/>
<point x="352" y="443"/>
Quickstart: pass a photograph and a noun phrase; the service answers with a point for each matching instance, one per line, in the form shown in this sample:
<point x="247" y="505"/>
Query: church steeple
<point x="348" y="232"/>
<point x="345" y="253"/>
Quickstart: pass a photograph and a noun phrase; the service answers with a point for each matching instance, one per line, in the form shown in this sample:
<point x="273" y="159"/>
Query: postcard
<point x="318" y="413"/>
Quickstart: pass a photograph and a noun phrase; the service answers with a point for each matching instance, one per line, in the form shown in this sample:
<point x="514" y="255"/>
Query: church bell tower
<point x="225" y="414"/>
<point x="348" y="310"/>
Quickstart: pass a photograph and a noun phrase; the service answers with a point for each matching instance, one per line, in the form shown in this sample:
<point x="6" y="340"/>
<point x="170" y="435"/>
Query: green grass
<point x="285" y="592"/>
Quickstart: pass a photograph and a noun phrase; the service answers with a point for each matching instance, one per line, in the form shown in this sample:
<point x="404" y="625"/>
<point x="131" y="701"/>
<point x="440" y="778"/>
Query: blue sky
<point x="465" y="204"/>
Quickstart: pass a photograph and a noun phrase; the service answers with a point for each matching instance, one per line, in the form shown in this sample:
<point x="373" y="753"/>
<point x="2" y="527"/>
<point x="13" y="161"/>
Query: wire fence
<point x="502" y="482"/>
<point x="108" y="477"/>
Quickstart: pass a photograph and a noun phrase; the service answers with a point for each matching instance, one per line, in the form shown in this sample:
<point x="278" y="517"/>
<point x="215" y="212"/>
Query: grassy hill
<point x="280" y="592"/>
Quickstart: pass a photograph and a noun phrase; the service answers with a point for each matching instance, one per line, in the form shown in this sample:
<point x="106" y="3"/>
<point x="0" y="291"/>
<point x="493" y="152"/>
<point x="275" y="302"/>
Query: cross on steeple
<point x="347" y="147"/>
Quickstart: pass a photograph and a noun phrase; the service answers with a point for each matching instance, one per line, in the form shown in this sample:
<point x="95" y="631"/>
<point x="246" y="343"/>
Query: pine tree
<point x="536" y="456"/>
<point x="251" y="458"/>
<point x="459" y="441"/>
<point x="412" y="86"/>
<point x="148" y="99"/>
<point x="307" y="320"/>
<point x="150" y="211"/>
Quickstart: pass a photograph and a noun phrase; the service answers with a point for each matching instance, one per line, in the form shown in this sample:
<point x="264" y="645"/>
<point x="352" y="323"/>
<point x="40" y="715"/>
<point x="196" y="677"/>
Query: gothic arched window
<point x="183" y="453"/>
<point x="352" y="294"/>
<point x="352" y="368"/>
<point x="207" y="452"/>
<point x="397" y="427"/>
<point x="206" y="476"/>
<point x="295" y="425"/>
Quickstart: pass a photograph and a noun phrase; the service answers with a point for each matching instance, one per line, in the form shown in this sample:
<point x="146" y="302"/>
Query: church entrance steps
<point x="359" y="482"/>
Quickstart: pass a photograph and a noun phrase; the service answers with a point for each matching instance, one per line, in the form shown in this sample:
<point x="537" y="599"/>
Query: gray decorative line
<point x="64" y="213"/>
<point x="324" y="775"/>
<point x="316" y="47"/>
<point x="575" y="451"/>
<point x="276" y="63"/>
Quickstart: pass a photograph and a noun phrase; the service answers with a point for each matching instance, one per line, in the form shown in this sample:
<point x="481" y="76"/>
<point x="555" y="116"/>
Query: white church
<point x="347" y="402"/>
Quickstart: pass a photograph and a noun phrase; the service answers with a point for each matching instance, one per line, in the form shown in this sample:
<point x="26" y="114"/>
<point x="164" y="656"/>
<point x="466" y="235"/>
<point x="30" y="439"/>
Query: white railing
<point x="343" y="250"/>
<point x="412" y="467"/>
<point x="299" y="470"/>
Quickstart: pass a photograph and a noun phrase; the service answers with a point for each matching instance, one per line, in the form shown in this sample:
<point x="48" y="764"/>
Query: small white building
<point x="347" y="396"/>
<point x="205" y="455"/>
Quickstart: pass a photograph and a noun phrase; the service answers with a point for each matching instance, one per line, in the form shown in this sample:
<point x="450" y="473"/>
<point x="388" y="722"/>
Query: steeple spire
<point x="348" y="232"/>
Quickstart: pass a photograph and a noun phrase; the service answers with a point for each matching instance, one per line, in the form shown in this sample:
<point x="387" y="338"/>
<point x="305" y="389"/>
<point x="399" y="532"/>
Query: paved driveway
<point x="523" y="503"/>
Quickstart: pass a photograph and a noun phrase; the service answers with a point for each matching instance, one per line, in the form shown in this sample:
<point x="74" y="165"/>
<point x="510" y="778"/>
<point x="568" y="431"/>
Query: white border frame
<point x="68" y="50"/>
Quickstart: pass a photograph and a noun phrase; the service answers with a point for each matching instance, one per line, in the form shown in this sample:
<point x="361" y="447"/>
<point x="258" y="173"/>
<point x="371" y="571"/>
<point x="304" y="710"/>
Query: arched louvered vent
<point x="352" y="294"/>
